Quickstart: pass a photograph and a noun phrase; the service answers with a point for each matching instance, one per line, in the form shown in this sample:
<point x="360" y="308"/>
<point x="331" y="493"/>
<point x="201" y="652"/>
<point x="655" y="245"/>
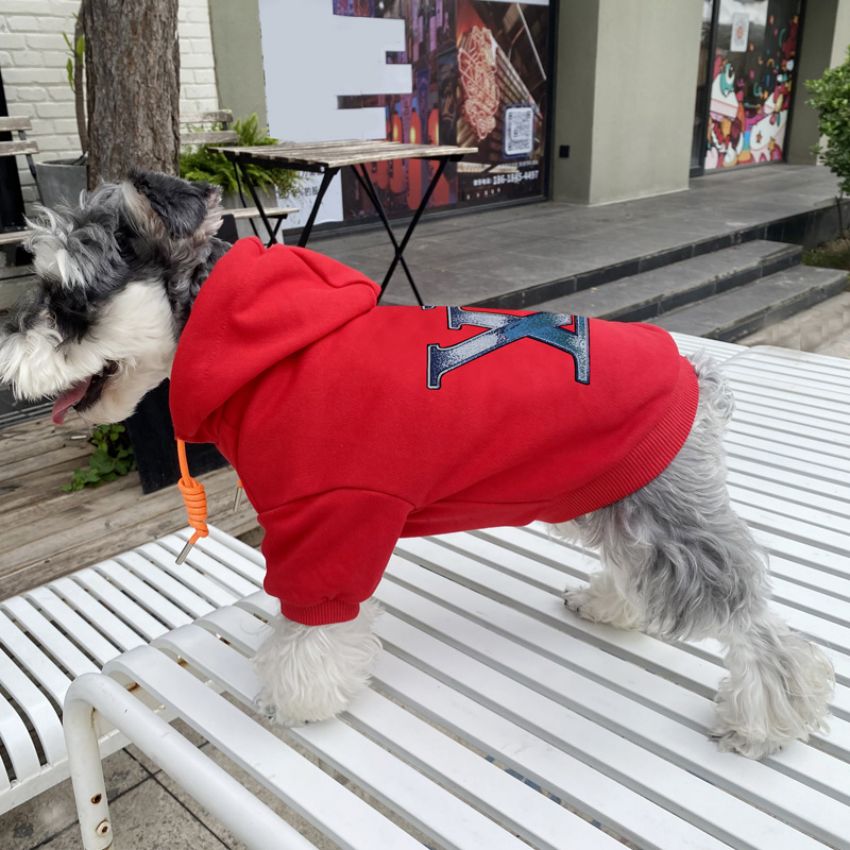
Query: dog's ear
<point x="161" y="205"/>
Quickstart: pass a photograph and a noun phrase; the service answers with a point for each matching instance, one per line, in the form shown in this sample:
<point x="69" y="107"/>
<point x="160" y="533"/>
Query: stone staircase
<point x="726" y="294"/>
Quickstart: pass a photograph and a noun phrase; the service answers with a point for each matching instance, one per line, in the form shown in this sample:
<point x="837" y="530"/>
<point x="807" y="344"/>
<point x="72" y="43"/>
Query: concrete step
<point x="746" y="309"/>
<point x="651" y="293"/>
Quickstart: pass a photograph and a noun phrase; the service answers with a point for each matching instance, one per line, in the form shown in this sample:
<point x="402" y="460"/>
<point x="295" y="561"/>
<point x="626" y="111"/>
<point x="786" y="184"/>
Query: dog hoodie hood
<point x="351" y="425"/>
<point x="257" y="308"/>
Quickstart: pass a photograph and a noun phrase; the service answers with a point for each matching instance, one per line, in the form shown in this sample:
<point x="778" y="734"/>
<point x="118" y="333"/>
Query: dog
<point x="134" y="286"/>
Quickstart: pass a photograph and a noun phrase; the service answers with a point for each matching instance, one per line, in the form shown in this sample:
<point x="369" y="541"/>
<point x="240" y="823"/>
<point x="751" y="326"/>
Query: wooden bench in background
<point x="194" y="135"/>
<point x="26" y="147"/>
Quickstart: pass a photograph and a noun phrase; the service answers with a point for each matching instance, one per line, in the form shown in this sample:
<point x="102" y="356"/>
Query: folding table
<point x="327" y="159"/>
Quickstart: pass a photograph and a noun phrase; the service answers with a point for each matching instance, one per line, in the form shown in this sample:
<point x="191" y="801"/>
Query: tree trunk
<point x="79" y="82"/>
<point x="133" y="86"/>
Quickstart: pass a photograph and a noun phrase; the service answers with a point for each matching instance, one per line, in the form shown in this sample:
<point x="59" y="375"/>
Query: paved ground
<point x="464" y="259"/>
<point x="823" y="329"/>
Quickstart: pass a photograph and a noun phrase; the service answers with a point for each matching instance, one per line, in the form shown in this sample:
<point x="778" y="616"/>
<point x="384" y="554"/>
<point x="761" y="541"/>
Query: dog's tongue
<point x="68" y="399"/>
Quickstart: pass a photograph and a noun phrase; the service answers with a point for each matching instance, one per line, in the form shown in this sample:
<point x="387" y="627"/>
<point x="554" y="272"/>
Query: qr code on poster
<point x="519" y="130"/>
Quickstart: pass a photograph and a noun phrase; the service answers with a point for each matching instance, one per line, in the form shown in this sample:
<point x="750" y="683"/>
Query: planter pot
<point x="60" y="182"/>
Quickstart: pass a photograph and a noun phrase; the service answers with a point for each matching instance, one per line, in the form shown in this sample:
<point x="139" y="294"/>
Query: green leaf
<point x="112" y="457"/>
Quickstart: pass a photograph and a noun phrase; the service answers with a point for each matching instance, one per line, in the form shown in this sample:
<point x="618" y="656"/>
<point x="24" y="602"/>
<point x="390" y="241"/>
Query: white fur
<point x="311" y="673"/>
<point x="778" y="689"/>
<point x="135" y="328"/>
<point x="602" y="602"/>
<point x="49" y="248"/>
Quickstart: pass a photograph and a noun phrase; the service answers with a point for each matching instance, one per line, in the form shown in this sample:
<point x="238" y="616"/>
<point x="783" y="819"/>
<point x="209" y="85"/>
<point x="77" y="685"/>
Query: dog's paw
<point x="578" y="601"/>
<point x="300" y="709"/>
<point x="733" y="741"/>
<point x="597" y="603"/>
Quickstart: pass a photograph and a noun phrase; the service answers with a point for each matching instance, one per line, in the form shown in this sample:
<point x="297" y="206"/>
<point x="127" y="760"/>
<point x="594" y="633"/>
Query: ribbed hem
<point x="323" y="614"/>
<point x="647" y="460"/>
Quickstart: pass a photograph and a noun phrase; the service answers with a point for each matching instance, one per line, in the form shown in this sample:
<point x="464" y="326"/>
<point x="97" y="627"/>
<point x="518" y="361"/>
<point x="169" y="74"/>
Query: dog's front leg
<point x="311" y="673"/>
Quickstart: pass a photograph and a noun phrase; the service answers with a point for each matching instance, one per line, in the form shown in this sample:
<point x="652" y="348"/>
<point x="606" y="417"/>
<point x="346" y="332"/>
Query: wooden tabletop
<point x="342" y="152"/>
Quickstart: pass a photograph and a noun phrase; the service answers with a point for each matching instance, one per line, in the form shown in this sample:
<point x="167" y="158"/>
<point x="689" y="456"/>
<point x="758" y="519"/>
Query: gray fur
<point x="114" y="237"/>
<point x="681" y="564"/>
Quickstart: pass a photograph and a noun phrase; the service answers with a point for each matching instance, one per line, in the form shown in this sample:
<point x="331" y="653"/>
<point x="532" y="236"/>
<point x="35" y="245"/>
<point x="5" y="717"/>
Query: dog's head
<point x="116" y="278"/>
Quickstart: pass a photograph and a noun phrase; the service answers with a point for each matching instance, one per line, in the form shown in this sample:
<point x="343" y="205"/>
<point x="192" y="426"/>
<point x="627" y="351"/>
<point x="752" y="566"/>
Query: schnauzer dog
<point x="120" y="281"/>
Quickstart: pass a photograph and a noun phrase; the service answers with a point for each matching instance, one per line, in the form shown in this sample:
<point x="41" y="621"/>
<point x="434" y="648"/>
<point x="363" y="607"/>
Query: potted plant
<point x="830" y="99"/>
<point x="62" y="181"/>
<point x="202" y="163"/>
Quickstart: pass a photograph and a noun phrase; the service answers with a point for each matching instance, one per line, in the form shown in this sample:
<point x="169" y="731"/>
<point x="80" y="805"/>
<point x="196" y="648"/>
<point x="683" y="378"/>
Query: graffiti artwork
<point x="750" y="96"/>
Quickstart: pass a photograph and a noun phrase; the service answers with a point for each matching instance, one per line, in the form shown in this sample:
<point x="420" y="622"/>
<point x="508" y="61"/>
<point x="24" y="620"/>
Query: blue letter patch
<point x="504" y="329"/>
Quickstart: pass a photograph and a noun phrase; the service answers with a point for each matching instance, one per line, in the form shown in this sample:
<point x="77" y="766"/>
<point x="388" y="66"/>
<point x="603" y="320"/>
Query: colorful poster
<point x="479" y="78"/>
<point x="750" y="96"/>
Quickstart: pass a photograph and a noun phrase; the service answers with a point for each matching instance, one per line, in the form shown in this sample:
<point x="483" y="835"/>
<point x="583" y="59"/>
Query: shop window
<point x="747" y="70"/>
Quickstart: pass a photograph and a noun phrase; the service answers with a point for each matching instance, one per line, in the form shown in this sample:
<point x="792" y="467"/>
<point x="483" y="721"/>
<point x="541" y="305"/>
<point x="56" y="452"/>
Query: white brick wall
<point x="33" y="56"/>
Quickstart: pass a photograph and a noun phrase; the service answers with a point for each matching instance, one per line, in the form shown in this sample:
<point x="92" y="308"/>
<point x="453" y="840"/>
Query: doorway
<point x="747" y="67"/>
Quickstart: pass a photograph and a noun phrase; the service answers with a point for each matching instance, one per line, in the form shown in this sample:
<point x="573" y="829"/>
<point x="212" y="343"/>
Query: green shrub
<point x="831" y="100"/>
<point x="113" y="457"/>
<point x="207" y="165"/>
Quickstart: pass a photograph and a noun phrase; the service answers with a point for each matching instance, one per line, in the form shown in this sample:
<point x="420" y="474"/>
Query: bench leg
<point x="93" y="694"/>
<point x="86" y="772"/>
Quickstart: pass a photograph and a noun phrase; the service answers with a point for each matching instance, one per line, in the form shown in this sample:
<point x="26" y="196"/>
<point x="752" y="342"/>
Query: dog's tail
<point x="716" y="400"/>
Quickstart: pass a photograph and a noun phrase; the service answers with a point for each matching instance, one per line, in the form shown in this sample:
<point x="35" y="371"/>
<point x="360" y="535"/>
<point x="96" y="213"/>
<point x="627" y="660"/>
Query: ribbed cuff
<point x="323" y="614"/>
<point x="647" y="460"/>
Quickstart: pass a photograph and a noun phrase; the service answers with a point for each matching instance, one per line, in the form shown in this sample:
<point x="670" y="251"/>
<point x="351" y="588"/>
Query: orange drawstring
<point x="195" y="499"/>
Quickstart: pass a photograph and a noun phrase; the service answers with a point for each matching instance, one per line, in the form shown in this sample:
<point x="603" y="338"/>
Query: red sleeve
<point x="326" y="554"/>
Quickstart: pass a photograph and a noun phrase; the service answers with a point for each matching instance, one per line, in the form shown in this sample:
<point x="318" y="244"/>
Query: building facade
<point x="584" y="101"/>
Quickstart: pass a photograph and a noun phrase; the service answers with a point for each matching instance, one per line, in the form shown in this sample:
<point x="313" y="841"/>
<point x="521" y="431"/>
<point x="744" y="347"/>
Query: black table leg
<point x="362" y="175"/>
<point x="413" y="222"/>
<point x="326" y="181"/>
<point x="257" y="202"/>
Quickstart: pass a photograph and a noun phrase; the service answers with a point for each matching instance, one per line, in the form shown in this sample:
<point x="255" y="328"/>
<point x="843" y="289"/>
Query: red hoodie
<point x="352" y="425"/>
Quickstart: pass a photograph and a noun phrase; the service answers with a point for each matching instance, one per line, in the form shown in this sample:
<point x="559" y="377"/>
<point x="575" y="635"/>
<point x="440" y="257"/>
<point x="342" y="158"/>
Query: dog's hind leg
<point x="679" y="555"/>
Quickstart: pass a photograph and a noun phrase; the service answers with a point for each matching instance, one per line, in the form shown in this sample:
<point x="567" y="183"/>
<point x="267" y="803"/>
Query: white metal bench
<point x="497" y="719"/>
<point x="76" y="624"/>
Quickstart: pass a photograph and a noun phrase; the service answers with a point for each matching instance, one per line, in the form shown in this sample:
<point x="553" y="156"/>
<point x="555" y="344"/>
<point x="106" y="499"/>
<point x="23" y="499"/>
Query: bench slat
<point x="823" y="505"/>
<point x="391" y="781"/>
<point x="65" y="652"/>
<point x="146" y="596"/>
<point x="209" y="137"/>
<point x="674" y="663"/>
<point x="59" y="612"/>
<point x="507" y="676"/>
<point x="246" y="561"/>
<point x="165" y="584"/>
<point x="240" y="213"/>
<point x="19" y="147"/>
<point x="14" y="122"/>
<point x="202" y="584"/>
<point x="217" y="116"/>
<point x="14" y="236"/>
<point x="118" y="601"/>
<point x="471" y="777"/>
<point x="32" y="658"/>
<point x="33" y="702"/>
<point x="16" y="740"/>
<point x="311" y="792"/>
<point x="229" y="580"/>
